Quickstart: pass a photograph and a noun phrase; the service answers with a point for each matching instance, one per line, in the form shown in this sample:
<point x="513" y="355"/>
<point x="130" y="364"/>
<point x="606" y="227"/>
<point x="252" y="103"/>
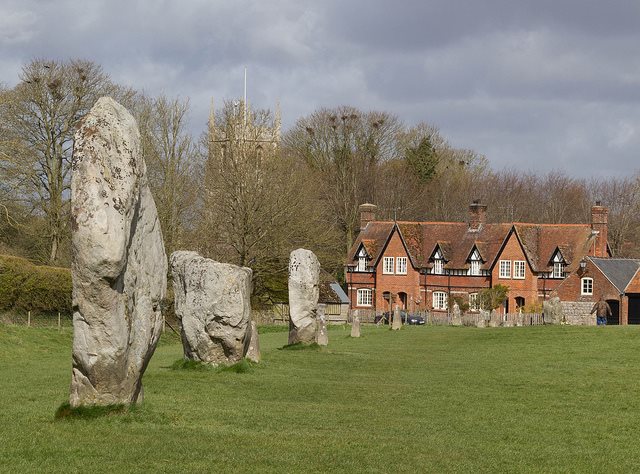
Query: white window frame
<point x="474" y="302"/>
<point x="586" y="286"/>
<point x="364" y="297"/>
<point x="438" y="266"/>
<point x="362" y="264"/>
<point x="401" y="265"/>
<point x="558" y="270"/>
<point x="519" y="269"/>
<point x="388" y="265"/>
<point x="504" y="269"/>
<point x="474" y="269"/>
<point x="440" y="300"/>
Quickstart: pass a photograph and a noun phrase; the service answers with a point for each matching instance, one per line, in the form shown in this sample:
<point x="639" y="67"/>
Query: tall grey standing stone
<point x="355" y="326"/>
<point x="304" y="290"/>
<point x="253" y="349"/>
<point x="212" y="302"/>
<point x="322" y="338"/>
<point x="397" y="320"/>
<point x="119" y="265"/>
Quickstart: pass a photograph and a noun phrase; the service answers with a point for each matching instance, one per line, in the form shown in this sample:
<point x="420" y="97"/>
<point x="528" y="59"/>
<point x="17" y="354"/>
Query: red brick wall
<point x="394" y="284"/>
<point x="570" y="289"/>
<point x="526" y="288"/>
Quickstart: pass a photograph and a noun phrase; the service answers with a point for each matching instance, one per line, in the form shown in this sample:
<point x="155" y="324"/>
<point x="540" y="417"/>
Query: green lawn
<point x="425" y="399"/>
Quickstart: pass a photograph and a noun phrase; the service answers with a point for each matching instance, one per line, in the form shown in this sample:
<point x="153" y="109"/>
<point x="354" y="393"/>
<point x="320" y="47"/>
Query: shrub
<point x="28" y="287"/>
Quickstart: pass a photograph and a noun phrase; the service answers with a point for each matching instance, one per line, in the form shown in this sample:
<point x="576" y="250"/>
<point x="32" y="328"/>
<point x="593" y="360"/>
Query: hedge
<point x="29" y="287"/>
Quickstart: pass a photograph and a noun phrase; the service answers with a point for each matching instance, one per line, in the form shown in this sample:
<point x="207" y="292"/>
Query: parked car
<point x="411" y="319"/>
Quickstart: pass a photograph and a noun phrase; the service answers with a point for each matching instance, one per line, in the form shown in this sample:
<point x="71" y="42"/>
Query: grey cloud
<point x="532" y="84"/>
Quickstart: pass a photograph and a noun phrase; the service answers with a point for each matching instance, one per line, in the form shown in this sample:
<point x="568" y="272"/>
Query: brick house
<point x="419" y="265"/>
<point x="617" y="280"/>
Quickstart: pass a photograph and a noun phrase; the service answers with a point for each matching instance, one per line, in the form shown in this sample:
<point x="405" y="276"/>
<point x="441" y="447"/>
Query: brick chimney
<point x="600" y="224"/>
<point x="367" y="214"/>
<point x="477" y="215"/>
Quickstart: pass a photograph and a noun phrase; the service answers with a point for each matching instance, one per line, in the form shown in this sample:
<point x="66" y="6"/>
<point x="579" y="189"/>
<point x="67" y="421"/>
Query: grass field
<point x="425" y="399"/>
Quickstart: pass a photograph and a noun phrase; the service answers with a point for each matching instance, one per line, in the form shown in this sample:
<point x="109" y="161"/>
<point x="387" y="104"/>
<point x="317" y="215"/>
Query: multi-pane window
<point x="401" y="265"/>
<point x="558" y="270"/>
<point x="519" y="269"/>
<point x="362" y="264"/>
<point x="505" y="269"/>
<point x="438" y="266"/>
<point x="365" y="297"/>
<point x="387" y="266"/>
<point x="474" y="305"/>
<point x="587" y="286"/>
<point x="476" y="261"/>
<point x="439" y="300"/>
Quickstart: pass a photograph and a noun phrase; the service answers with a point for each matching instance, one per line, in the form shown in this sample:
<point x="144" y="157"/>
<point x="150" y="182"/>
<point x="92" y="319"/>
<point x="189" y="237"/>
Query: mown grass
<point x="423" y="399"/>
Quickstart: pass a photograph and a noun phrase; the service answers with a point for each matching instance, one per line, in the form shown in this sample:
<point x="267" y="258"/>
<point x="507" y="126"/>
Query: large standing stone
<point x="212" y="301"/>
<point x="355" y="326"/>
<point x="119" y="265"/>
<point x="304" y="276"/>
<point x="322" y="337"/>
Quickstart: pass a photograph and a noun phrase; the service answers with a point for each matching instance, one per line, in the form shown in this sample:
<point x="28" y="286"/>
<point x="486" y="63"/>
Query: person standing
<point x="602" y="310"/>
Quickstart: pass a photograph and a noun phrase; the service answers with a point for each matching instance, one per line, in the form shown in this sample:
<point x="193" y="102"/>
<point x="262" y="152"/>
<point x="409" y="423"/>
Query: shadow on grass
<point x="241" y="367"/>
<point x="300" y="346"/>
<point x="67" y="412"/>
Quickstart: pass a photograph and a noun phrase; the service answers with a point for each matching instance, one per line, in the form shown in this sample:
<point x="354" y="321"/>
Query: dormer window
<point x="438" y="263"/>
<point x="559" y="265"/>
<point x="474" y="263"/>
<point x="362" y="260"/>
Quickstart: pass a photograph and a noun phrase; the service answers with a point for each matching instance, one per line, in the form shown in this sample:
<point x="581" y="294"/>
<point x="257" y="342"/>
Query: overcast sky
<point x="534" y="85"/>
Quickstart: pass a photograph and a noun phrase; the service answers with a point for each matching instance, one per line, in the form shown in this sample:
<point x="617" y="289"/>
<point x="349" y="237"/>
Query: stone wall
<point x="576" y="313"/>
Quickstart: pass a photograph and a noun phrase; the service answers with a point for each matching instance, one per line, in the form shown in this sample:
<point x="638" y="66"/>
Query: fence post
<point x="59" y="326"/>
<point x="29" y="319"/>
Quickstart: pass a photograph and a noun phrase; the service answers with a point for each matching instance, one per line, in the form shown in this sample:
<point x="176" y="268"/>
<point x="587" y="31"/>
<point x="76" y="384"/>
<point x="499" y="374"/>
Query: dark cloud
<point x="536" y="85"/>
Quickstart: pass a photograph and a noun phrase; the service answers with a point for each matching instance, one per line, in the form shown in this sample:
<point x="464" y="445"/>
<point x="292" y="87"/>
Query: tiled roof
<point x="540" y="242"/>
<point x="619" y="271"/>
<point x="457" y="241"/>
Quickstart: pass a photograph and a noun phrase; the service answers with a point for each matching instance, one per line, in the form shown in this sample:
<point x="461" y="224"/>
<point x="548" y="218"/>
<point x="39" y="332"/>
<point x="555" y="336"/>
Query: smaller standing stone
<point x="253" y="351"/>
<point x="355" y="326"/>
<point x="456" y="319"/>
<point x="397" y="321"/>
<point x="552" y="311"/>
<point x="322" y="338"/>
<point x="304" y="290"/>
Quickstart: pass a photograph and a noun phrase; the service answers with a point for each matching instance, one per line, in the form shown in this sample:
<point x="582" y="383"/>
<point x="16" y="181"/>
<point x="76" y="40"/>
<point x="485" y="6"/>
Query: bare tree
<point x="173" y="163"/>
<point x="40" y="115"/>
<point x="347" y="147"/>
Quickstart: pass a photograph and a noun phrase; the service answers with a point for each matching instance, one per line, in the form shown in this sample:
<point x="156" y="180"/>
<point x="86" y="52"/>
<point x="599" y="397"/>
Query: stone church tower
<point x="237" y="130"/>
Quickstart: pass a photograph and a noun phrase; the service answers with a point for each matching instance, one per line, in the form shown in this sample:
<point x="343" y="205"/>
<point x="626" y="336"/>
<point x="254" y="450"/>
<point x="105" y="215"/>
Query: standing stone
<point x="355" y="326"/>
<point x="253" y="350"/>
<point x="304" y="290"/>
<point x="119" y="265"/>
<point x="322" y="338"/>
<point x="397" y="320"/>
<point x="212" y="302"/>
<point x="456" y="319"/>
<point x="552" y="310"/>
